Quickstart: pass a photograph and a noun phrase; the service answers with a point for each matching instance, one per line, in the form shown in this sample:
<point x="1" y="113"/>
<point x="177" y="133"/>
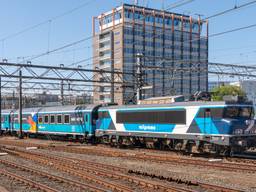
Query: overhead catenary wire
<point x="188" y="69"/>
<point x="185" y="78"/>
<point x="46" y="21"/>
<point x="212" y="35"/>
<point x="57" y="52"/>
<point x="233" y="30"/>
<point x="216" y="15"/>
<point x="196" y="39"/>
<point x="230" y="10"/>
<point x="60" y="48"/>
<point x="182" y="1"/>
<point x="48" y="53"/>
<point x="178" y="4"/>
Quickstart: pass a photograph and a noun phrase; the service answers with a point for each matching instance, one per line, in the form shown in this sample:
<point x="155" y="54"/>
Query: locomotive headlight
<point x="248" y="122"/>
<point x="241" y="143"/>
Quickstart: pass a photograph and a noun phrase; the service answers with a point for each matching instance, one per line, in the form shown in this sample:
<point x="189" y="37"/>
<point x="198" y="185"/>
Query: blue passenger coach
<point x="6" y="120"/>
<point x="67" y="120"/>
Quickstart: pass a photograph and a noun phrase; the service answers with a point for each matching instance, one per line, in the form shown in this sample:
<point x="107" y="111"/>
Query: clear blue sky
<point x="16" y="15"/>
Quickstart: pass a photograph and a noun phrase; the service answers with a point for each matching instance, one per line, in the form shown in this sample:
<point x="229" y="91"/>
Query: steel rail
<point x="216" y="188"/>
<point x="27" y="181"/>
<point x="161" y="159"/>
<point x="59" y="166"/>
<point x="79" y="170"/>
<point x="53" y="177"/>
<point x="138" y="156"/>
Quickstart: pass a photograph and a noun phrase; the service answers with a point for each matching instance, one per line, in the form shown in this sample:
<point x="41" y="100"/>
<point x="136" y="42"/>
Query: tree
<point x="219" y="92"/>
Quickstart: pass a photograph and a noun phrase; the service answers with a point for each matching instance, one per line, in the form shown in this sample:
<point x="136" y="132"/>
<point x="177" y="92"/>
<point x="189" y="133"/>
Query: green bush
<point x="219" y="92"/>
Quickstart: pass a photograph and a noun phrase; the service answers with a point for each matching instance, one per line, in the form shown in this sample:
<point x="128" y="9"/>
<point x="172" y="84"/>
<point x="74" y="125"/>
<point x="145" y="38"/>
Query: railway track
<point x="74" y="184"/>
<point x="64" y="164"/>
<point x="194" y="183"/>
<point x="100" y="169"/>
<point x="60" y="165"/>
<point x="156" y="158"/>
<point x="160" y="158"/>
<point x="28" y="182"/>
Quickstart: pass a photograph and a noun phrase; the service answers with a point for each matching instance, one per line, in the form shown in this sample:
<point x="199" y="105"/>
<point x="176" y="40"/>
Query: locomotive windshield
<point x="238" y="112"/>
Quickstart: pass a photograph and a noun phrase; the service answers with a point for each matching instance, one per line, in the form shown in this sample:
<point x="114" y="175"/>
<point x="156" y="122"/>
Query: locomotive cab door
<point x="211" y="121"/>
<point x="207" y="120"/>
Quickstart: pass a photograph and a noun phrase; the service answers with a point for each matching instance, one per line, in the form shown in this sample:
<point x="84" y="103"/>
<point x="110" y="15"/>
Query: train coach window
<point x="59" y="119"/>
<point x="245" y="111"/>
<point x="40" y="120"/>
<point x="231" y="112"/>
<point x="103" y="114"/>
<point x="52" y="119"/>
<point x="79" y="119"/>
<point x="46" y="119"/>
<point x="66" y="119"/>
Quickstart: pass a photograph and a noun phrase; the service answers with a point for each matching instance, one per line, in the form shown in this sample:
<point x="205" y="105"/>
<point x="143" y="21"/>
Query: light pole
<point x="20" y="104"/>
<point x="139" y="76"/>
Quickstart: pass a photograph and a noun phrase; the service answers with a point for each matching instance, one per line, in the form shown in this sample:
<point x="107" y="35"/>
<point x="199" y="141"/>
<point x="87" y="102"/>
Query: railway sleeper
<point x="187" y="182"/>
<point x="70" y="169"/>
<point x="53" y="177"/>
<point x="27" y="181"/>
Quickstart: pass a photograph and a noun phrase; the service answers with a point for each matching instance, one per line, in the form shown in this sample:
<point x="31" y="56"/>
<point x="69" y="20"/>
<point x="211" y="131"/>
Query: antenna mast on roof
<point x="147" y="3"/>
<point x="162" y="4"/>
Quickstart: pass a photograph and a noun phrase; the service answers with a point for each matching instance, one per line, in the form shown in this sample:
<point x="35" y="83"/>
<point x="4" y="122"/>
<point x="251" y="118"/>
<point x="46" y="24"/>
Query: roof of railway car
<point x="52" y="109"/>
<point x="8" y="110"/>
<point x="27" y="110"/>
<point x="177" y="104"/>
<point x="67" y="108"/>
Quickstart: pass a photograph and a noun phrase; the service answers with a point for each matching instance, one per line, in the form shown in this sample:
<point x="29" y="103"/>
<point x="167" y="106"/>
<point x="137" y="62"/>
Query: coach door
<point x="87" y="122"/>
<point x="11" y="121"/>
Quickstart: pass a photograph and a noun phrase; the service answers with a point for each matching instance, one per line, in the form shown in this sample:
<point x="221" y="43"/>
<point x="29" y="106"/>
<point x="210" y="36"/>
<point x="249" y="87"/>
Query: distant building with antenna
<point x="176" y="43"/>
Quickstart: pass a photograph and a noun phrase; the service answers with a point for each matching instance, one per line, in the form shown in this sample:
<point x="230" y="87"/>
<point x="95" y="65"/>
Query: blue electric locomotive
<point x="204" y="126"/>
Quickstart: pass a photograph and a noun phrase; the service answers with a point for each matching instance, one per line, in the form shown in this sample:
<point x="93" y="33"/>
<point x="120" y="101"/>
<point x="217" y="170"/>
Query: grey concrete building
<point x="175" y="43"/>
